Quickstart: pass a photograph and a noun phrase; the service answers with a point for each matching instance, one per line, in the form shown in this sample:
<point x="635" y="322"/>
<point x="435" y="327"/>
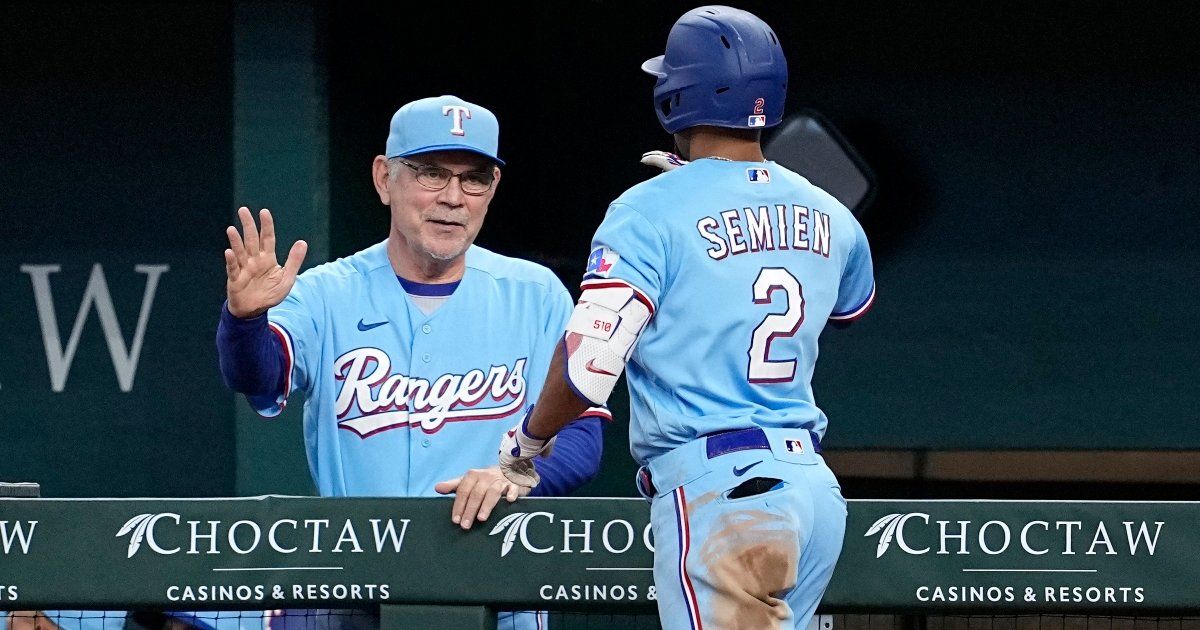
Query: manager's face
<point x="438" y="200"/>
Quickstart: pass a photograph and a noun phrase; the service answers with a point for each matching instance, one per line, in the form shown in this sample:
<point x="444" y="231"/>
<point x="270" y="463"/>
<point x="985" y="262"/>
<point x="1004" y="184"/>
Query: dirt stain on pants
<point x="750" y="556"/>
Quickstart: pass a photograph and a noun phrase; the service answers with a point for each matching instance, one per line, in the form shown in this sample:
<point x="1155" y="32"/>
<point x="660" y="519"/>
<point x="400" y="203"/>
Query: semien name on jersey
<point x="765" y="229"/>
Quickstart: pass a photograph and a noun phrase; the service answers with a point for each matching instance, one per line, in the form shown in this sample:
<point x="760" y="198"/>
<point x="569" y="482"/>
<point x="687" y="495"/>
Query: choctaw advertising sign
<point x="270" y="552"/>
<point x="1009" y="555"/>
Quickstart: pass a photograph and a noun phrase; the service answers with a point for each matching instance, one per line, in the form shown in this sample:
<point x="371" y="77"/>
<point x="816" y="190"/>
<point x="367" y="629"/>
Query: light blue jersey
<point x="398" y="400"/>
<point x="744" y="263"/>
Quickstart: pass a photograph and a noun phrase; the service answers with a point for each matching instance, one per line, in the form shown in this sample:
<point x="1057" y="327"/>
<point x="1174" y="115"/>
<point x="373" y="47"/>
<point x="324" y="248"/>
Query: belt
<point x="723" y="443"/>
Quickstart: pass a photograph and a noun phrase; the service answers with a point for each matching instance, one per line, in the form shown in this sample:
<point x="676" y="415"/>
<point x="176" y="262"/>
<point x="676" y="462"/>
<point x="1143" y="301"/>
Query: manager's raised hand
<point x="255" y="280"/>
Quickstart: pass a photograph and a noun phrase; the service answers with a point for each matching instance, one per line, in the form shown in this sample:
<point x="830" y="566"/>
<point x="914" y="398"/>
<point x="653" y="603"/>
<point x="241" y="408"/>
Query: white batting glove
<point x="663" y="160"/>
<point x="517" y="450"/>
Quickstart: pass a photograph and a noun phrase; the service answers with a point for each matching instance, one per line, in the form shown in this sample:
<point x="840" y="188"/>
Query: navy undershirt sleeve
<point x="575" y="459"/>
<point x="251" y="357"/>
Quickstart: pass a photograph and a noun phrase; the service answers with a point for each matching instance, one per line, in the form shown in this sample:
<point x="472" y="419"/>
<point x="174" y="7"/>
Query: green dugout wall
<point x="1129" y="559"/>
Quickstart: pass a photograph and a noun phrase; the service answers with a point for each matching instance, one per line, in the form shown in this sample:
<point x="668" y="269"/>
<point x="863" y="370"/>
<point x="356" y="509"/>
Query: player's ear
<point x="379" y="176"/>
<point x="683" y="143"/>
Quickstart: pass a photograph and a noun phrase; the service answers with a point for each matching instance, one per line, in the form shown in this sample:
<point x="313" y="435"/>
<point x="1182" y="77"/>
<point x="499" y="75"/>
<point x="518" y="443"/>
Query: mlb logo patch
<point x="757" y="121"/>
<point x="601" y="262"/>
<point x="794" y="446"/>
<point x="758" y="176"/>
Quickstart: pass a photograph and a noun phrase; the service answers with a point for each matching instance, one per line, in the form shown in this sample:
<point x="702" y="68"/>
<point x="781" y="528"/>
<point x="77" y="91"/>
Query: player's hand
<point x="477" y="493"/>
<point x="663" y="160"/>
<point x="517" y="450"/>
<point x="255" y="282"/>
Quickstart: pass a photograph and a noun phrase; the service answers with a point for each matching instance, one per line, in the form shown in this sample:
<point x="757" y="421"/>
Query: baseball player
<point x="712" y="282"/>
<point x="417" y="353"/>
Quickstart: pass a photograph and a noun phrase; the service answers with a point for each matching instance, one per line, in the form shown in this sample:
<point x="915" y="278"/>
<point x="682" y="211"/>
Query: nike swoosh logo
<point x="365" y="327"/>
<point x="592" y="368"/>
<point x="738" y="472"/>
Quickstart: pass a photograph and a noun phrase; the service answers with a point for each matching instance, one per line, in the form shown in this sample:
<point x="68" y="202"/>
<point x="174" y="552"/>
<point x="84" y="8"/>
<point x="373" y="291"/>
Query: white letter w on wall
<point x="124" y="359"/>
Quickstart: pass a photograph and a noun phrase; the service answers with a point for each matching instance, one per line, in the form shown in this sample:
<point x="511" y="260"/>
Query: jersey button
<point x="425" y="442"/>
<point x="427" y="329"/>
<point x="426" y="358"/>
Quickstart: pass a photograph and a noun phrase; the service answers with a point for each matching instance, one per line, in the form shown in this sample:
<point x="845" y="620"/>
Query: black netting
<point x="352" y="619"/>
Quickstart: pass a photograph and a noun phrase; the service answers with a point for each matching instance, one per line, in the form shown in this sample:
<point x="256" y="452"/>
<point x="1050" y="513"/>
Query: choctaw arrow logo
<point x="137" y="527"/>
<point x="888" y="525"/>
<point x="514" y="525"/>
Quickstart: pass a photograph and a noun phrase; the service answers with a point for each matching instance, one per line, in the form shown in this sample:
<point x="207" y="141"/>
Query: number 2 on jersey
<point x="785" y="324"/>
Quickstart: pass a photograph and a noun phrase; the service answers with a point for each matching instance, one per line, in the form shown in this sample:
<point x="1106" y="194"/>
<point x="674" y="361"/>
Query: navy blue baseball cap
<point x="443" y="123"/>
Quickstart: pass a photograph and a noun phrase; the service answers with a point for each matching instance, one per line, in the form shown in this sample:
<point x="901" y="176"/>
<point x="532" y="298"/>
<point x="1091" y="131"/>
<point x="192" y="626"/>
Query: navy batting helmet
<point x="723" y="67"/>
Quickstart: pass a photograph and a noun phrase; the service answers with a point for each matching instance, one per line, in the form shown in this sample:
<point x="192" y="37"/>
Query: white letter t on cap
<point x="459" y="112"/>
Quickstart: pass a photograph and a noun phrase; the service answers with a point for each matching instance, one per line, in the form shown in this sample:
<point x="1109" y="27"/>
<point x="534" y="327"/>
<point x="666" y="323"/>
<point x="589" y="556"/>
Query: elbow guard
<point x="601" y="335"/>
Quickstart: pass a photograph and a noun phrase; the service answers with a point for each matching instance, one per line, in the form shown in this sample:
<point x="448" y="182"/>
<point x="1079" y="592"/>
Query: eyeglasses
<point x="436" y="178"/>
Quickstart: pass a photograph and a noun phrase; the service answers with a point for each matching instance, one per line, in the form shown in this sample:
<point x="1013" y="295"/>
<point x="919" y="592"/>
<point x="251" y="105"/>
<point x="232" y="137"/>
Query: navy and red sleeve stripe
<point x="856" y="312"/>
